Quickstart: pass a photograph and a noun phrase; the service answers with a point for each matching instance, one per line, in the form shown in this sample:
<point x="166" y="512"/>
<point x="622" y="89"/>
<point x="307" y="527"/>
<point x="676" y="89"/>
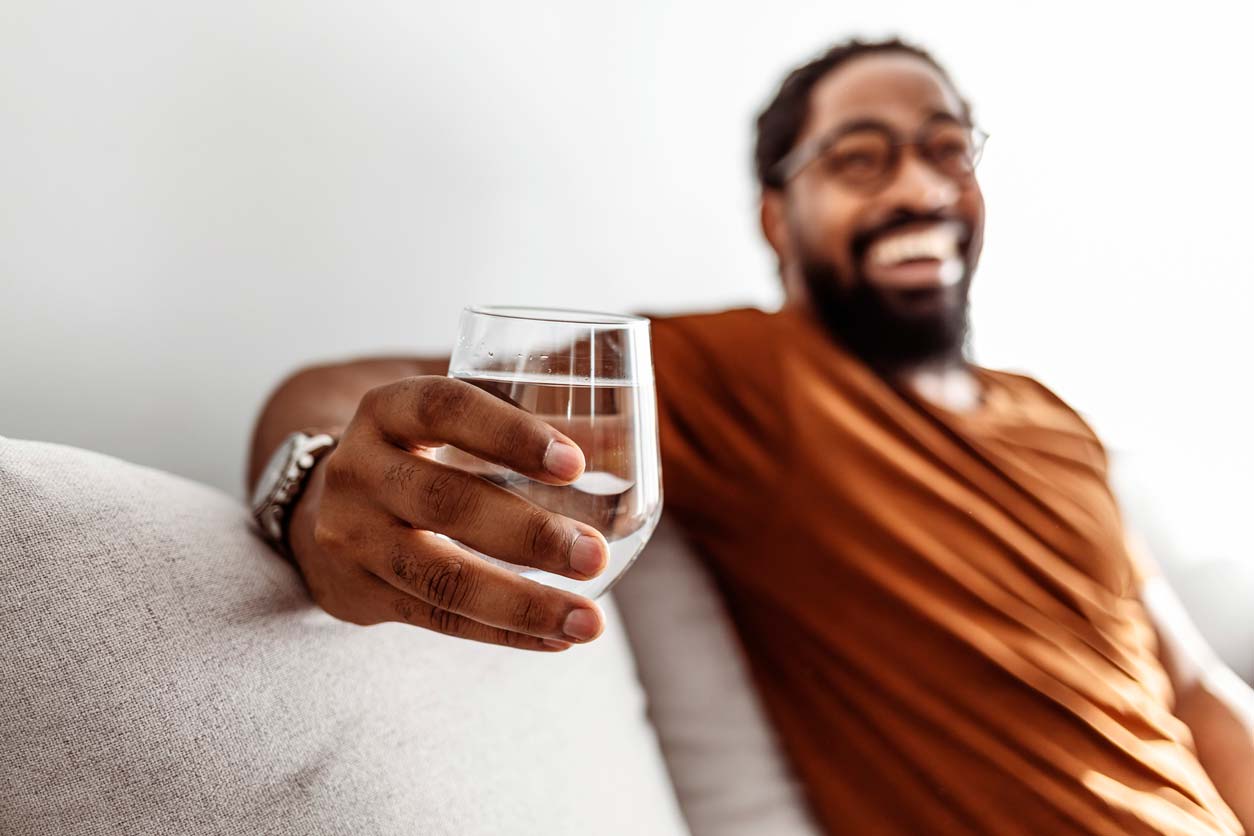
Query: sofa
<point x="162" y="671"/>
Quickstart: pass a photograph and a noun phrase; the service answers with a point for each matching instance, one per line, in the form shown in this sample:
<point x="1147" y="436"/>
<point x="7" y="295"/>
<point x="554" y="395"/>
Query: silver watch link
<point x="282" y="482"/>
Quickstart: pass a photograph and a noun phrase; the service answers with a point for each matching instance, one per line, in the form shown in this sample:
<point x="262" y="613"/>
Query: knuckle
<point x="439" y="400"/>
<point x="339" y="473"/>
<point x="328" y="538"/>
<point x="508" y="638"/>
<point x="518" y="439"/>
<point x="448" y="623"/>
<point x="530" y="616"/>
<point x="546" y="538"/>
<point x="403" y="474"/>
<point x="446" y="582"/>
<point x="405" y="565"/>
<point x="372" y="401"/>
<point x="447" y="497"/>
<point x="408" y="610"/>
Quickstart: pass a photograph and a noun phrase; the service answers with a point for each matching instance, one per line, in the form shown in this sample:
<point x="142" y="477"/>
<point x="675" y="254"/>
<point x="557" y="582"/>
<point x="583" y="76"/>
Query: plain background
<point x="196" y="199"/>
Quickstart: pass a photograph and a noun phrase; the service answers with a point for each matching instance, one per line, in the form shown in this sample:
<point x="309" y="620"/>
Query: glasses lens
<point x="978" y="138"/>
<point x="860" y="157"/>
<point x="952" y="149"/>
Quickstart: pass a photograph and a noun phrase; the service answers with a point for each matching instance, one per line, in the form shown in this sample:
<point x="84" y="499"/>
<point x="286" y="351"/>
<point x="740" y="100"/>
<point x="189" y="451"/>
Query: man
<point x="923" y="558"/>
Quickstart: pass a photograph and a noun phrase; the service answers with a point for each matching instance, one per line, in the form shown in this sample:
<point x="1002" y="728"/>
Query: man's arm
<point x="325" y="397"/>
<point x="1216" y="705"/>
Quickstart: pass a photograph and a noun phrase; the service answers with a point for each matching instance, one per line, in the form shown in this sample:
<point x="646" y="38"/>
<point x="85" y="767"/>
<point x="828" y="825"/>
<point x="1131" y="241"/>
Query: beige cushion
<point x="728" y="770"/>
<point x="161" y="671"/>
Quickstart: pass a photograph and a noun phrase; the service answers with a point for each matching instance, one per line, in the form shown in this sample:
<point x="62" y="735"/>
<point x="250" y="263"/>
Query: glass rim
<point x="559" y="316"/>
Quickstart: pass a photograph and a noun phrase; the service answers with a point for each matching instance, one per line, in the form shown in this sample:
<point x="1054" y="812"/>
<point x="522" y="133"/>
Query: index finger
<point x="431" y="411"/>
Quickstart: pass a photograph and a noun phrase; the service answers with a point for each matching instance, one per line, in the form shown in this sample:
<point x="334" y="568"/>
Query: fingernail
<point x="587" y="555"/>
<point x="563" y="460"/>
<point x="582" y="624"/>
<point x="555" y="644"/>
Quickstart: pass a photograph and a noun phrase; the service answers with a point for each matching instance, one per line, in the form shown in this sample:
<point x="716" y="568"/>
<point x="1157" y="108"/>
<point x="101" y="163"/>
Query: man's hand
<point x="365" y="532"/>
<point x="1212" y="701"/>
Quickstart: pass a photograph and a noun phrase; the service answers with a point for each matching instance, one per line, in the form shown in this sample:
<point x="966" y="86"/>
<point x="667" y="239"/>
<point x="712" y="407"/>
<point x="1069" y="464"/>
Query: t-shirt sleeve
<point x="1085" y="447"/>
<point x="715" y="435"/>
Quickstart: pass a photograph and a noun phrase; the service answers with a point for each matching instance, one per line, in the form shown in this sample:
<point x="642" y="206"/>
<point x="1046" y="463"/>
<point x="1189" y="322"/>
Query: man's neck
<point x="950" y="384"/>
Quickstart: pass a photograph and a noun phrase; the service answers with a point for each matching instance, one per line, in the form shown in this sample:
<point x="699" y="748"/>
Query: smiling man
<point x="923" y="557"/>
<point x="870" y="202"/>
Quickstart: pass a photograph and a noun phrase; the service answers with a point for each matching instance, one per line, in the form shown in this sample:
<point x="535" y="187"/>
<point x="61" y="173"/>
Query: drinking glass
<point x="590" y="376"/>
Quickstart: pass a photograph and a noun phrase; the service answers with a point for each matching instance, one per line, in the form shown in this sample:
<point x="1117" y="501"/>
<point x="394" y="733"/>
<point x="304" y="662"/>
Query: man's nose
<point x="919" y="187"/>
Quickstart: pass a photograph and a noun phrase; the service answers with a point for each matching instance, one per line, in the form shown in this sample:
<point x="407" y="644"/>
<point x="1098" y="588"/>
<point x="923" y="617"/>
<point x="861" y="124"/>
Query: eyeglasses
<point x="865" y="155"/>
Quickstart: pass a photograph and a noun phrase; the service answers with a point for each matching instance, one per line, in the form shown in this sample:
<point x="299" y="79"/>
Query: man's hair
<point x="780" y="123"/>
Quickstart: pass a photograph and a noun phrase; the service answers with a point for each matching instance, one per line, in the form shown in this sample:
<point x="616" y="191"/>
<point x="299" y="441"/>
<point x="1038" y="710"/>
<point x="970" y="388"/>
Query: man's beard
<point x="888" y="329"/>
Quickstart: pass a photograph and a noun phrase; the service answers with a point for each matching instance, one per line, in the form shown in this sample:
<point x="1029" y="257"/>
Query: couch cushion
<point x="729" y="772"/>
<point x="161" y="671"/>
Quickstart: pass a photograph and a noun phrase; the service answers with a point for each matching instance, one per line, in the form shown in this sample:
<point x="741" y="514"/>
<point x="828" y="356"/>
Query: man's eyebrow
<point x="860" y="124"/>
<point x="870" y="123"/>
<point x="944" y="116"/>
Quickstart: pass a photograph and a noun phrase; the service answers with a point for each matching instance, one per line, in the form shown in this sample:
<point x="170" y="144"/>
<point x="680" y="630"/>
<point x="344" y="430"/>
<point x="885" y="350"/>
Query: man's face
<point x="885" y="262"/>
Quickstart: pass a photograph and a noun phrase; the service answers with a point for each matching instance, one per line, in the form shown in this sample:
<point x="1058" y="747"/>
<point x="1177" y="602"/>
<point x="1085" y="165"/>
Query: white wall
<point x="197" y="197"/>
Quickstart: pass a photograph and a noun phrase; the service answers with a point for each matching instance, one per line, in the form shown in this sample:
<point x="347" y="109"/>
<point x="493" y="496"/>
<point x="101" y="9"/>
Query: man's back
<point x="939" y="607"/>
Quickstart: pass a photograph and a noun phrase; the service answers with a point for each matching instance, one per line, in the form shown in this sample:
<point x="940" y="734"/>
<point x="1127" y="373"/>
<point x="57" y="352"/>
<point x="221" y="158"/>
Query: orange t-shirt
<point x="939" y="609"/>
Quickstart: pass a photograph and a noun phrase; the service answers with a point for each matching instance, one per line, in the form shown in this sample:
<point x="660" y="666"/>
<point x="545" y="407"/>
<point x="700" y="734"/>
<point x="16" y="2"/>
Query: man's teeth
<point x="939" y="242"/>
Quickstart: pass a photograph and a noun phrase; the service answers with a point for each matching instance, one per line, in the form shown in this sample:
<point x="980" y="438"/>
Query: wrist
<point x="304" y="515"/>
<point x="284" y="482"/>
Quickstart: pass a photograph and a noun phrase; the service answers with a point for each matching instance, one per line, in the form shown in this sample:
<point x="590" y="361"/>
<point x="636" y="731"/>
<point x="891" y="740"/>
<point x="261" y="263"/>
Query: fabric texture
<point x="725" y="762"/>
<point x="163" y="672"/>
<point x="939" y="608"/>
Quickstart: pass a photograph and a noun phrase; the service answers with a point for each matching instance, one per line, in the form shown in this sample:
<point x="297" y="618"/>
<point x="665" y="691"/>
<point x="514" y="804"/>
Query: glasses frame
<point x="804" y="155"/>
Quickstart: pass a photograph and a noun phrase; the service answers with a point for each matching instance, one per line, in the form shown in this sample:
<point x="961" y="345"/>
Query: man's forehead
<point x="897" y="88"/>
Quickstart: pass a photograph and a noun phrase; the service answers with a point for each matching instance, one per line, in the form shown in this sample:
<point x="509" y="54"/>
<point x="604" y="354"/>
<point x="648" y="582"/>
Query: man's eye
<point x="949" y="150"/>
<point x="854" y="161"/>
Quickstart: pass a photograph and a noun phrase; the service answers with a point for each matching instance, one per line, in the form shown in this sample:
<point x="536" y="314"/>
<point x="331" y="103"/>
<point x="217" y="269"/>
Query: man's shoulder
<point x="728" y="324"/>
<point x="1037" y="399"/>
<point x="711" y="344"/>
<point x="735" y="340"/>
<point x="713" y="360"/>
<point x="1023" y="384"/>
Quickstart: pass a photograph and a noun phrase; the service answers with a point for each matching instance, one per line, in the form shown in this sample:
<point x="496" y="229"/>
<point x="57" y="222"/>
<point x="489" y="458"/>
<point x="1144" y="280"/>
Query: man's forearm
<point x="1219" y="710"/>
<point x="1216" y="705"/>
<point x="325" y="397"/>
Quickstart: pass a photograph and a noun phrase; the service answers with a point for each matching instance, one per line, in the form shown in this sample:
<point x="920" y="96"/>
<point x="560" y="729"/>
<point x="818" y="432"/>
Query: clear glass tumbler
<point x="590" y="376"/>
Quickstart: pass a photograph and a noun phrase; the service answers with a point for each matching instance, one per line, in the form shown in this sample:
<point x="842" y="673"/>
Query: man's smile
<point x="917" y="256"/>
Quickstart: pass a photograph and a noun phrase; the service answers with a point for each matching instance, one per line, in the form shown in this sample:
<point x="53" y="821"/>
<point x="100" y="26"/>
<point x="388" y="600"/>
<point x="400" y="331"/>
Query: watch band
<point x="283" y="483"/>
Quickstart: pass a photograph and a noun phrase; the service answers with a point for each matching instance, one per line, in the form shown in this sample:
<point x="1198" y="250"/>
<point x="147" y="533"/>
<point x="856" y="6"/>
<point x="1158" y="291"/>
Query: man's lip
<point x="919" y="225"/>
<point x="923" y="301"/>
<point x="917" y="274"/>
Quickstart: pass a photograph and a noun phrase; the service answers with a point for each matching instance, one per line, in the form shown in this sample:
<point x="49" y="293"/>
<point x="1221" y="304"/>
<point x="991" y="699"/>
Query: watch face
<point x="273" y="472"/>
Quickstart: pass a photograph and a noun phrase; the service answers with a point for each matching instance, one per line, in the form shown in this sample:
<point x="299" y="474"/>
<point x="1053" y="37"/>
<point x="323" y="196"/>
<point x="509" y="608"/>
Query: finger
<point x="484" y="516"/>
<point x="379" y="602"/>
<point x="353" y="591"/>
<point x="451" y="580"/>
<point x="428" y="411"/>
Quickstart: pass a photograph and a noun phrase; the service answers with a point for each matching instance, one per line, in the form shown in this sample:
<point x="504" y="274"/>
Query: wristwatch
<point x="281" y="484"/>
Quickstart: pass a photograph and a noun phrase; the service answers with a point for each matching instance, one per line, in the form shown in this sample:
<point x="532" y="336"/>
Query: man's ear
<point x="775" y="225"/>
